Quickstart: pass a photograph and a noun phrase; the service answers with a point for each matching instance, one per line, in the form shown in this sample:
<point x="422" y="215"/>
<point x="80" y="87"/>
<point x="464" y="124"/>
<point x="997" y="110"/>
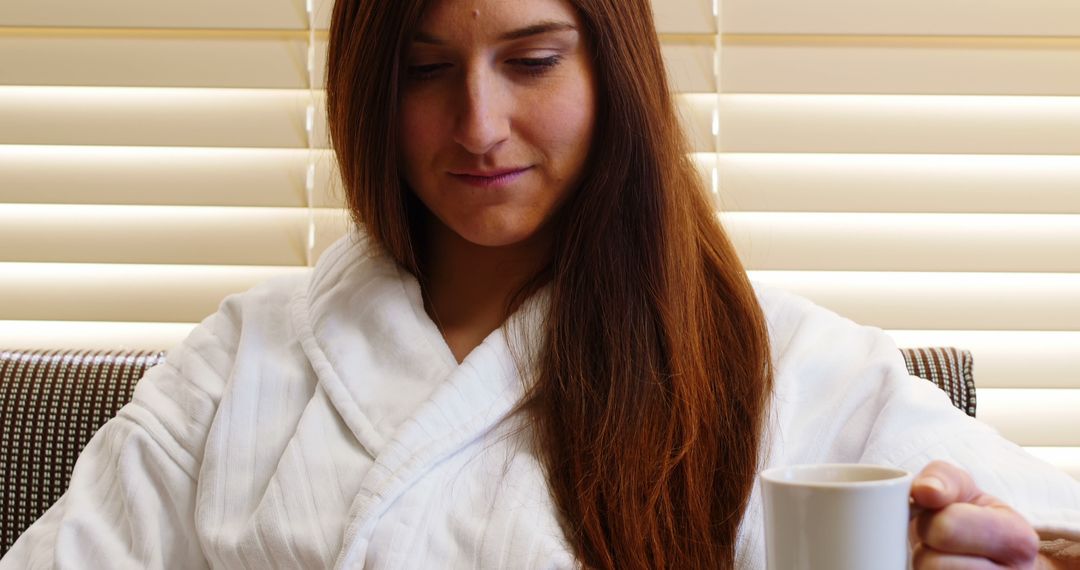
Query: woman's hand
<point x="959" y="526"/>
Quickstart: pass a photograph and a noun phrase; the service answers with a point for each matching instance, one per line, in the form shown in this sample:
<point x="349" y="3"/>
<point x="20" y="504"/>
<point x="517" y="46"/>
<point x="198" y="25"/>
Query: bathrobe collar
<point x="362" y="314"/>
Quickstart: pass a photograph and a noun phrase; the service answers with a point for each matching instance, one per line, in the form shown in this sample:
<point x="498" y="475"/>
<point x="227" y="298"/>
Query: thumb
<point x="941" y="484"/>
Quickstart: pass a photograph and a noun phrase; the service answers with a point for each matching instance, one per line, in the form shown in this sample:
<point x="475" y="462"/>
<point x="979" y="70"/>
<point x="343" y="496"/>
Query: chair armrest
<point x="51" y="404"/>
<point x="949" y="369"/>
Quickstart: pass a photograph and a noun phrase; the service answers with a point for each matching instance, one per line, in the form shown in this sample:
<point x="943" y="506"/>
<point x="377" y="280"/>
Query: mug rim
<point x="890" y="475"/>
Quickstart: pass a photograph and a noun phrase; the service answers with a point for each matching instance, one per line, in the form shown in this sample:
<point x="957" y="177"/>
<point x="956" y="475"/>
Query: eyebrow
<point x="545" y="27"/>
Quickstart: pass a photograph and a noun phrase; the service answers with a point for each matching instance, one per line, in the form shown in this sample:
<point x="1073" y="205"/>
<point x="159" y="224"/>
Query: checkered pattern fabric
<point x="51" y="403"/>
<point x="949" y="368"/>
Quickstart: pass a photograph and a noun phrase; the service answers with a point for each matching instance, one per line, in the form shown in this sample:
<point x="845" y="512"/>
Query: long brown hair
<point x="652" y="380"/>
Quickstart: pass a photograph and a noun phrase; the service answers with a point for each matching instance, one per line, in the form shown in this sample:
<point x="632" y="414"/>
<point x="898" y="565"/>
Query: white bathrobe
<point x="322" y="422"/>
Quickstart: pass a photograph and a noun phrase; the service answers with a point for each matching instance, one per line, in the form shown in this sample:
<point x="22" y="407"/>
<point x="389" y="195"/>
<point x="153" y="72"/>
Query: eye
<point x="537" y="66"/>
<point x="531" y="66"/>
<point x="428" y="71"/>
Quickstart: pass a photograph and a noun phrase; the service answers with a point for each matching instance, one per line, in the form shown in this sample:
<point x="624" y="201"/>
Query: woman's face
<point x="497" y="114"/>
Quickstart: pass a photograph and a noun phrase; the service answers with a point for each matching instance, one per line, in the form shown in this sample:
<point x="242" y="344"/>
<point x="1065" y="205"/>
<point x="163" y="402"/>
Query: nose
<point x="483" y="120"/>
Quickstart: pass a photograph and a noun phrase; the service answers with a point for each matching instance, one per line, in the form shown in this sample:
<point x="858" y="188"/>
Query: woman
<point x="540" y="350"/>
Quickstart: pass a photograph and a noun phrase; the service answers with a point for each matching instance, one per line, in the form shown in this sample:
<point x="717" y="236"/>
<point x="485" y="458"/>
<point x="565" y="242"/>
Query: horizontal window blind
<point x="154" y="158"/>
<point x="158" y="156"/>
<point x="916" y="166"/>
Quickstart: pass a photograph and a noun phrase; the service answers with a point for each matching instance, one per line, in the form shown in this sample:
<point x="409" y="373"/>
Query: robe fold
<point x="321" y="421"/>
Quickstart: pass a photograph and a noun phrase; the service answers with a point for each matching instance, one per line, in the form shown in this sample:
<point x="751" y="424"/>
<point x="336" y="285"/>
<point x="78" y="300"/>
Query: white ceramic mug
<point x="836" y="517"/>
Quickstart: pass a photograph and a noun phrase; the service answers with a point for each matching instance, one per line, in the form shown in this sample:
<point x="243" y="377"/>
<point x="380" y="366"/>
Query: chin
<point x="498" y="235"/>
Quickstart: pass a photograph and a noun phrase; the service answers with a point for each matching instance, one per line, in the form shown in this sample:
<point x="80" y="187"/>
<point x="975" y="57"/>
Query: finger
<point x="995" y="532"/>
<point x="940" y="484"/>
<point x="926" y="558"/>
<point x="913" y="532"/>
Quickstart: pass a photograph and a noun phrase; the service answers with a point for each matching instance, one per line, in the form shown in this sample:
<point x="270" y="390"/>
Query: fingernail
<point x="934" y="483"/>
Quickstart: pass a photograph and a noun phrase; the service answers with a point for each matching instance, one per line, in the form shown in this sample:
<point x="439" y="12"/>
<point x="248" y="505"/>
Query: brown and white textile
<point x="51" y="403"/>
<point x="949" y="368"/>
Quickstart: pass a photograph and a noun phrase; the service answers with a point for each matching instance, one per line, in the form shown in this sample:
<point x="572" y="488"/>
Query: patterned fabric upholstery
<point x="949" y="368"/>
<point x="52" y="402"/>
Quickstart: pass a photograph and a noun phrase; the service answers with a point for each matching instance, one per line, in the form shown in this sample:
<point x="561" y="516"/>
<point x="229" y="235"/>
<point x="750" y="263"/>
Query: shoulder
<point x="803" y="333"/>
<point x="829" y="369"/>
<point x="253" y="341"/>
<point x="266" y="315"/>
<point x="842" y="391"/>
<point x="180" y="396"/>
<point x="265" y="319"/>
<point x="266" y="305"/>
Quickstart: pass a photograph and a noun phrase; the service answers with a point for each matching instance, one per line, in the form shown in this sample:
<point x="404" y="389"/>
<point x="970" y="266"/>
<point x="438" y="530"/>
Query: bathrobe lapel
<point x="365" y="326"/>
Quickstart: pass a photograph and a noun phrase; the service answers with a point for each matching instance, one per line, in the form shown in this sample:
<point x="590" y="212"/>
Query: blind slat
<point x="936" y="17"/>
<point x="157" y="234"/>
<point x="213" y="14"/>
<point x="148" y="58"/>
<point x="947" y="301"/>
<point x="906" y="242"/>
<point x="268" y="118"/>
<point x="899" y="183"/>
<point x="766" y="241"/>
<point x="672" y="16"/>
<point x="91" y="335"/>
<point x="1010" y="359"/>
<point x="690" y="66"/>
<point x="1032" y="416"/>
<point x="150" y="234"/>
<point x="690" y="63"/>
<point x="900" y="124"/>
<point x="180" y="176"/>
<point x="918" y="66"/>
<point x="115" y="292"/>
<point x="698" y="113"/>
<point x="153" y="116"/>
<point x="685" y="16"/>
<point x="228" y="59"/>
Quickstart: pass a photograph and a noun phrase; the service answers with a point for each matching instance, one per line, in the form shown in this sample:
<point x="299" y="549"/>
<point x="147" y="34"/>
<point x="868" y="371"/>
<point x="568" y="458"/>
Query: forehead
<point x="481" y="19"/>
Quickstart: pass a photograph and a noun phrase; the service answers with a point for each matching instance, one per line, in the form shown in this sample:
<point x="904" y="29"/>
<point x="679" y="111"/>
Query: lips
<point x="489" y="173"/>
<point x="490" y="178"/>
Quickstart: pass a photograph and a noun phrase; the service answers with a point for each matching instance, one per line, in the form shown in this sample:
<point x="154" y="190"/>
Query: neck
<point x="467" y="287"/>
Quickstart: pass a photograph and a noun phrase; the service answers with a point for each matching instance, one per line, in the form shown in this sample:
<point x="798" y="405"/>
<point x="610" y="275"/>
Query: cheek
<point x="418" y="133"/>
<point x="569" y="110"/>
<point x="569" y="124"/>
<point x="565" y="121"/>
